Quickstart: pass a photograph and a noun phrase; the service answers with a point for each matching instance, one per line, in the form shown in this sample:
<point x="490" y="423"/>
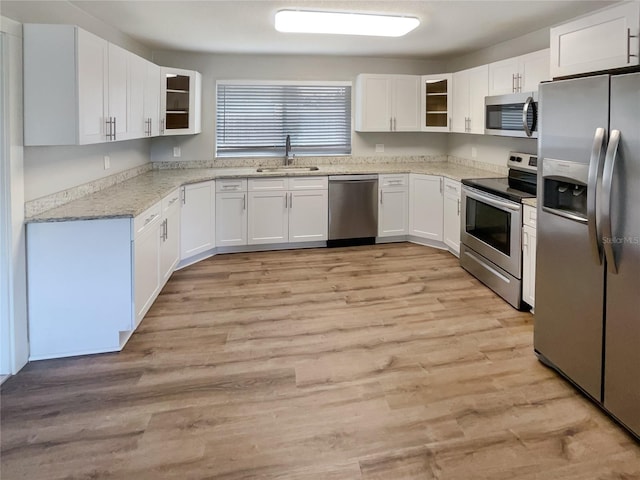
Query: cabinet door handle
<point x="115" y="128"/>
<point x="441" y="183"/>
<point x="390" y="124"/>
<point x="244" y="201"/>
<point x="291" y="200"/>
<point x="519" y="82"/>
<point x="381" y="197"/>
<point x="629" y="37"/>
<point x="395" y="124"/>
<point x="513" y="83"/>
<point x="162" y="120"/>
<point x="458" y="207"/>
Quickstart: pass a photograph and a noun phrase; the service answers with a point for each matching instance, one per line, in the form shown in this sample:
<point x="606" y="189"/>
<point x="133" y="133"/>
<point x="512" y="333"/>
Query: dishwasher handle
<point x="352" y="178"/>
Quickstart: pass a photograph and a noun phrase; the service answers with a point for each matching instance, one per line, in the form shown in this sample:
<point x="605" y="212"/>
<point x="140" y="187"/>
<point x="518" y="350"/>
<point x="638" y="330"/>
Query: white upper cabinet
<point x="436" y="103"/>
<point x="387" y="103"/>
<point x="519" y="74"/>
<point x="600" y="41"/>
<point x="151" y="105"/>
<point x="136" y="84"/>
<point x="180" y="97"/>
<point x="469" y="89"/>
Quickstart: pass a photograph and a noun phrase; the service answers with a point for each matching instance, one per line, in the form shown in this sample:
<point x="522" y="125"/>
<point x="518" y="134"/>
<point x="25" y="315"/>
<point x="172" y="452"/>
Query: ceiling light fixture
<point x="296" y="21"/>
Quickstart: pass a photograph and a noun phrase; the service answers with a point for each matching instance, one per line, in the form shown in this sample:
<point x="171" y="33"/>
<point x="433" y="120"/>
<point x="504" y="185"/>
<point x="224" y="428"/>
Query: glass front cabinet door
<point x="436" y="103"/>
<point x="180" y="102"/>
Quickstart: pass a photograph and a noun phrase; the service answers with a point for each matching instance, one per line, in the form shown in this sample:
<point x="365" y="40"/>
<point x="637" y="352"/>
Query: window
<point x="254" y="119"/>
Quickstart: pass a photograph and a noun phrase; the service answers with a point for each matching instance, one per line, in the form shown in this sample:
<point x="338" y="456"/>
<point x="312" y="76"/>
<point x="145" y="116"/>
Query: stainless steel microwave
<point x="512" y="115"/>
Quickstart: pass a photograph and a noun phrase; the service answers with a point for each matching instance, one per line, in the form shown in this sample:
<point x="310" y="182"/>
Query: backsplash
<point x="39" y="205"/>
<point x="299" y="161"/>
<point x="48" y="202"/>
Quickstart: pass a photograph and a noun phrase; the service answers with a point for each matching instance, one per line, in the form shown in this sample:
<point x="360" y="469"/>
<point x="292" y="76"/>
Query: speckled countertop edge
<point x="132" y="197"/>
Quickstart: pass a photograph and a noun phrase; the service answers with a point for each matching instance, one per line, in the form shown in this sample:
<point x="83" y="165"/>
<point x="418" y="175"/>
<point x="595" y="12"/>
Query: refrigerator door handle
<point x="595" y="169"/>
<point x="607" y="185"/>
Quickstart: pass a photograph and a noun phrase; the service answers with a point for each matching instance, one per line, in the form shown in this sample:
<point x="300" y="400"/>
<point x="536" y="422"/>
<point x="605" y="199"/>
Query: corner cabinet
<point x="197" y="224"/>
<point x="598" y="41"/>
<point x="426" y="206"/>
<point x="393" y="210"/>
<point x="387" y="103"/>
<point x="436" y="103"/>
<point x="180" y="102"/>
<point x="469" y="89"/>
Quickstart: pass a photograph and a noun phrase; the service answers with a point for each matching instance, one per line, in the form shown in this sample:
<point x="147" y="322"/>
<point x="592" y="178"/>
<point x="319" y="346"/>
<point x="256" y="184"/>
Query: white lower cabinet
<point x="426" y="206"/>
<point x="197" y="224"/>
<point x="285" y="210"/>
<point x="231" y="212"/>
<point x="451" y="210"/>
<point x="529" y="255"/>
<point x="148" y="234"/>
<point x="393" y="205"/>
<point x="170" y="235"/>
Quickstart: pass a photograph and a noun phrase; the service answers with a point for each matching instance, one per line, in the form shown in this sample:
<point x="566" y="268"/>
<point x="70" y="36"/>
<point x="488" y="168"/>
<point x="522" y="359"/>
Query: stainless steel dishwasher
<point x="353" y="209"/>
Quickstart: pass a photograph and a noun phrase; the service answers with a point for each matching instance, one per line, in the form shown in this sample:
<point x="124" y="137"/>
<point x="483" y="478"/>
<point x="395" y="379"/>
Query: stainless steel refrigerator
<point x="587" y="318"/>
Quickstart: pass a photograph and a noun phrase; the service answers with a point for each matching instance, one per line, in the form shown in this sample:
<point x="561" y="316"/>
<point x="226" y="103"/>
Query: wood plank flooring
<point x="370" y="363"/>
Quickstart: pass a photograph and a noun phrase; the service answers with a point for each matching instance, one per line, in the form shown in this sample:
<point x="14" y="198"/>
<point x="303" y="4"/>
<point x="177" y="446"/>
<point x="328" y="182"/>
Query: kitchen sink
<point x="287" y="169"/>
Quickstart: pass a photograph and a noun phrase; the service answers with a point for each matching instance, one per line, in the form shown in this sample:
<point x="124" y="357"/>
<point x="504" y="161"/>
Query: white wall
<point x="14" y="346"/>
<point x="49" y="170"/>
<point x="292" y="67"/>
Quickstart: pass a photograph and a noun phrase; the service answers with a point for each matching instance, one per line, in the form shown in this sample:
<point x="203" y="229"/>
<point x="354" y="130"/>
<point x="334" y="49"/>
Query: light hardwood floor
<point x="369" y="363"/>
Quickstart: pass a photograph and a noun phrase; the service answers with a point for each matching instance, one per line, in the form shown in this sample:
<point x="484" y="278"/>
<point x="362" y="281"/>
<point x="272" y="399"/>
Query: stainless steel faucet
<point x="288" y="158"/>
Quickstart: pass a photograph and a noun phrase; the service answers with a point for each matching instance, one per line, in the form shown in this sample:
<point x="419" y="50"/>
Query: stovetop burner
<point x="520" y="184"/>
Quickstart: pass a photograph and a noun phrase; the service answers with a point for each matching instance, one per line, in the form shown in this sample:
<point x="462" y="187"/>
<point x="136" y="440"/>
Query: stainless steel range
<point x="491" y="227"/>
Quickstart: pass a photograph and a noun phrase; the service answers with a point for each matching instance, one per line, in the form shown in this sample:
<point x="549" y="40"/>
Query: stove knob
<point x="512" y="158"/>
<point x="518" y="159"/>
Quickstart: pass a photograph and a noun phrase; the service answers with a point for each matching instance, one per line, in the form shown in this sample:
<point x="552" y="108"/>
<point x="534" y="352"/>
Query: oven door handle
<point x="491" y="200"/>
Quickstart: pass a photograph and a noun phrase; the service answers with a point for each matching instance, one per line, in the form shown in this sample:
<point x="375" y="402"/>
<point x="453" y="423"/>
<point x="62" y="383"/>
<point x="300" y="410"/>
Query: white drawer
<point x="231" y="185"/>
<point x="393" y="180"/>
<point x="452" y="187"/>
<point x="529" y="216"/>
<point x="147" y="219"/>
<point x="267" y="184"/>
<point x="171" y="200"/>
<point x="309" y="183"/>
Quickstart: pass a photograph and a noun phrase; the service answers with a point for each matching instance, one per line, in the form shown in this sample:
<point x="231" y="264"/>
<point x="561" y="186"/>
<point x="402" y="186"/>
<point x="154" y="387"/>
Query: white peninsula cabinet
<point x="90" y="282"/>
<point x="529" y="255"/>
<point x="598" y="41"/>
<point x="519" y="74"/>
<point x="231" y="212"/>
<point x="287" y="210"/>
<point x="198" y="225"/>
<point x="393" y="210"/>
<point x="388" y="103"/>
<point x="426" y="207"/>
<point x="469" y="89"/>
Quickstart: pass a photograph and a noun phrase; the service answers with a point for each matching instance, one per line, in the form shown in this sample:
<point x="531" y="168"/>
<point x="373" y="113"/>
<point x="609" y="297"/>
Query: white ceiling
<point x="246" y="26"/>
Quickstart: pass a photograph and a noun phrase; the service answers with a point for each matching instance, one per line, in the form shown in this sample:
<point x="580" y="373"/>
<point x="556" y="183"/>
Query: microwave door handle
<point x="605" y="213"/>
<point x="592" y="192"/>
<point x="525" y="114"/>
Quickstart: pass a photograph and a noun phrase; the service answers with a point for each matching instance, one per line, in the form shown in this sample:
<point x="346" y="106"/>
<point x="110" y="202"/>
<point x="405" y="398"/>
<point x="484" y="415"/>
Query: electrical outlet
<point x="176" y="152"/>
<point x="379" y="147"/>
<point x="474" y="152"/>
<point x="107" y="162"/>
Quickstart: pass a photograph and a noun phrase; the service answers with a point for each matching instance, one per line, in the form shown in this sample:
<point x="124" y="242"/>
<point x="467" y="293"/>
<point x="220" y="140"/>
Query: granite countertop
<point x="132" y="197"/>
<point x="532" y="202"/>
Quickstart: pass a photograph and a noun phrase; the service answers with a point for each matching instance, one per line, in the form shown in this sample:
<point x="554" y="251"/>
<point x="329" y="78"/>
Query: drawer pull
<point x="150" y="219"/>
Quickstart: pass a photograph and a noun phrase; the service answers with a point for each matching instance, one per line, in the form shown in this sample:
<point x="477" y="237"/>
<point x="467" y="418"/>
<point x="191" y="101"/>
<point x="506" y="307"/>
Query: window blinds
<point x="254" y="120"/>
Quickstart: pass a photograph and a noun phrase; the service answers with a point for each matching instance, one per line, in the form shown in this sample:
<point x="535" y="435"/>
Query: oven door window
<point x="489" y="225"/>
